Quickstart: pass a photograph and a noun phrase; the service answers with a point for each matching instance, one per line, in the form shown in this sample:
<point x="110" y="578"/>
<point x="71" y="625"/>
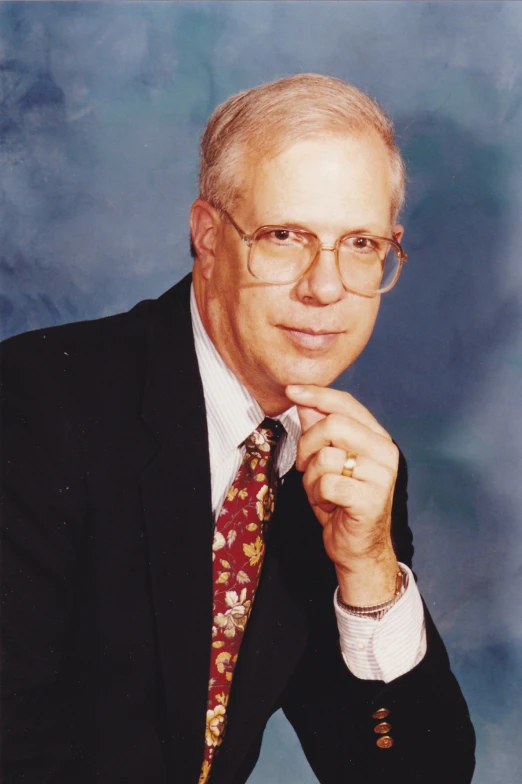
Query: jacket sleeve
<point x="42" y="502"/>
<point x="335" y="714"/>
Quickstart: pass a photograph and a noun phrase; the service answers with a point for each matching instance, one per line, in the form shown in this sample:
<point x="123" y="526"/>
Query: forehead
<point x="337" y="182"/>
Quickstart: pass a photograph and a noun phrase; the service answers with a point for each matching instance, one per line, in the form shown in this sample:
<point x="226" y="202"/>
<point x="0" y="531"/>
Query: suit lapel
<point x="177" y="504"/>
<point x="176" y="496"/>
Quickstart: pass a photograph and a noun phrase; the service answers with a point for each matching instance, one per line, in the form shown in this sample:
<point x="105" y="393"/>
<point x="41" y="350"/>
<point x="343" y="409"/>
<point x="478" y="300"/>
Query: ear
<point x="398" y="232"/>
<point x="205" y="223"/>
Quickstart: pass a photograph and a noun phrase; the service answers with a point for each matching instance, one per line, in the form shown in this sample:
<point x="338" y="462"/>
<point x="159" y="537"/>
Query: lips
<point x="311" y="339"/>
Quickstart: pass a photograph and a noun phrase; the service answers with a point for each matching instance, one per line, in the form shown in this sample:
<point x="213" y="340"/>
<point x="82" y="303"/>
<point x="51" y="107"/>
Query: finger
<point x="330" y="461"/>
<point x="332" y="490"/>
<point x="344" y="433"/>
<point x="309" y="417"/>
<point x="333" y="401"/>
<point x="358" y="499"/>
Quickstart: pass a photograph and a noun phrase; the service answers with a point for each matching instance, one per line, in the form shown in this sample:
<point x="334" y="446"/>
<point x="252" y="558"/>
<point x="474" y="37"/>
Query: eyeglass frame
<point x="250" y="238"/>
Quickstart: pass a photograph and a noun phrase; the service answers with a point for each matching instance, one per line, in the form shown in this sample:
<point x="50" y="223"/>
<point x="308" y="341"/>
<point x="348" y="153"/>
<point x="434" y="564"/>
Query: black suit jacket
<point x="107" y="585"/>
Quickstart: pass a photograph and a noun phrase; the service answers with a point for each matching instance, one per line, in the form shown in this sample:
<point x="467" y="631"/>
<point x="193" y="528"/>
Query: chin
<point x="319" y="376"/>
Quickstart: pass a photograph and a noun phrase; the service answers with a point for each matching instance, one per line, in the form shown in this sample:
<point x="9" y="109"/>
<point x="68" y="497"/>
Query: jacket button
<point x="381" y="713"/>
<point x="385" y="742"/>
<point x="382" y="728"/>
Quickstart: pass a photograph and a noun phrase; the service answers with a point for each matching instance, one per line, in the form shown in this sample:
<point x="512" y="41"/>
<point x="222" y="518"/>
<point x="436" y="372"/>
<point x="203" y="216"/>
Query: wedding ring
<point x="349" y="464"/>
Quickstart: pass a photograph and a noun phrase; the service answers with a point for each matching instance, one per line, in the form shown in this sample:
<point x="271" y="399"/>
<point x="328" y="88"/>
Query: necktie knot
<point x="264" y="439"/>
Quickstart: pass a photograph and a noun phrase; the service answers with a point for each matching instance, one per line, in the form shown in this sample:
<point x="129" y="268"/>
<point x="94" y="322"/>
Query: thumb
<point x="308" y="417"/>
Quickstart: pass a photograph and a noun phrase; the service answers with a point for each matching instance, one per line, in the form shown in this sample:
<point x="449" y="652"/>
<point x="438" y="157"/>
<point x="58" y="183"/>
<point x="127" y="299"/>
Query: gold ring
<point x="349" y="464"/>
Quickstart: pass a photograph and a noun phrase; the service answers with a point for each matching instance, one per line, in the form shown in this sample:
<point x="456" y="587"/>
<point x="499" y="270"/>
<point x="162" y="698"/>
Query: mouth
<point x="316" y="340"/>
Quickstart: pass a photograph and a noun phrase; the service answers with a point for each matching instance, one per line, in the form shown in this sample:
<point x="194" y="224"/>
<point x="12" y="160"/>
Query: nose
<point x="321" y="284"/>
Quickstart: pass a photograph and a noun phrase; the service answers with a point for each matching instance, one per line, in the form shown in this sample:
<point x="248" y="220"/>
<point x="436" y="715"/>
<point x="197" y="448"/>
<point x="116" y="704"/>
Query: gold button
<point x="385" y="742"/>
<point x="382" y="728"/>
<point x="381" y="713"/>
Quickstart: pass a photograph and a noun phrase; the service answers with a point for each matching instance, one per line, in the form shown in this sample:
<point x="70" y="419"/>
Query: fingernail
<point x="294" y="389"/>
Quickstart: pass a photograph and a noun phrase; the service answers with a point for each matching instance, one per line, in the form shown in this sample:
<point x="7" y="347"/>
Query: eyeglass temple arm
<point x="404" y="255"/>
<point x="245" y="237"/>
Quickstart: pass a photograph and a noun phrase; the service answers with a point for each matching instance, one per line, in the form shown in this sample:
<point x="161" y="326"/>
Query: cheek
<point x="360" y="322"/>
<point x="362" y="313"/>
<point x="367" y="324"/>
<point x="256" y="308"/>
<point x="257" y="315"/>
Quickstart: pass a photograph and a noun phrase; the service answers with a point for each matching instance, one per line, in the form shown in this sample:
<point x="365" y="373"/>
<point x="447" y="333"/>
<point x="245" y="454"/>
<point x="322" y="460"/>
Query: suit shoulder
<point x="51" y="362"/>
<point x="89" y="367"/>
<point x="47" y="340"/>
<point x="99" y="337"/>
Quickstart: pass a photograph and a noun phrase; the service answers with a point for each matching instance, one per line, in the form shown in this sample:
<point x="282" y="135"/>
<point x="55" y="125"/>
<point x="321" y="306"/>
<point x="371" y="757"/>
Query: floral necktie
<point x="238" y="551"/>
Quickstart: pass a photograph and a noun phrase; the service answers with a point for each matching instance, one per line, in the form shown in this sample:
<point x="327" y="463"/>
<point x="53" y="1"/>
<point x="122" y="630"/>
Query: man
<point x="170" y="579"/>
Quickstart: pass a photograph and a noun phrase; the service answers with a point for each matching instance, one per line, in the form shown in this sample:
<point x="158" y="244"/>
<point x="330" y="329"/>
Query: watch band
<point x="377" y="611"/>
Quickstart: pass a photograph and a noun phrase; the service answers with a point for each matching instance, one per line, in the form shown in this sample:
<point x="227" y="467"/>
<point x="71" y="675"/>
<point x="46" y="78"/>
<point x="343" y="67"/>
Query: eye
<point x="283" y="237"/>
<point x="362" y="244"/>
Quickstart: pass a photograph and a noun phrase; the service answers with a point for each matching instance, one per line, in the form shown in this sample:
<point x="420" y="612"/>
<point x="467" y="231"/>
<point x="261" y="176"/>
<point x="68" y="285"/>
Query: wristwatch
<point x="377" y="611"/>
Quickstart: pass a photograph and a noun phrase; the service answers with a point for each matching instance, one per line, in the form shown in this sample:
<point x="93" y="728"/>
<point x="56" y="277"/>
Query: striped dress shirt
<point x="373" y="650"/>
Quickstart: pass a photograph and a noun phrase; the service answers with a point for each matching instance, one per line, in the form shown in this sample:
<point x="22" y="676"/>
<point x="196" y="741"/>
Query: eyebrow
<point x="294" y="225"/>
<point x="362" y="230"/>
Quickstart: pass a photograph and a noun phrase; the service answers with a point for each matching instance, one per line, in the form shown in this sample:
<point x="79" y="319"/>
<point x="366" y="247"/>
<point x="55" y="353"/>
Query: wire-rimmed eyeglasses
<point x="368" y="265"/>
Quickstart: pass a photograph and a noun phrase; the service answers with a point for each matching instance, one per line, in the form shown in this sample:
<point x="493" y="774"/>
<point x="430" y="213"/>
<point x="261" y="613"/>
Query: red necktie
<point x="238" y="552"/>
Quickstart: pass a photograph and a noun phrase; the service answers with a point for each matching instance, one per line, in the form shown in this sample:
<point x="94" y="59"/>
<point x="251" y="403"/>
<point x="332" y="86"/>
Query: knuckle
<point x="333" y="424"/>
<point x="386" y="476"/>
<point x="394" y="455"/>
<point x="323" y="458"/>
<point x="325" y="486"/>
<point x="334" y="489"/>
<point x="388" y="456"/>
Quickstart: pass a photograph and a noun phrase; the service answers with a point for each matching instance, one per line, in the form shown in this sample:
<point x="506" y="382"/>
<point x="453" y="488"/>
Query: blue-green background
<point x="101" y="107"/>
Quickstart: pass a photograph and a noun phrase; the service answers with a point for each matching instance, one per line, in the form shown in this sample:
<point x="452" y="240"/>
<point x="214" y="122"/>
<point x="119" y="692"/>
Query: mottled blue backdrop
<point x="101" y="109"/>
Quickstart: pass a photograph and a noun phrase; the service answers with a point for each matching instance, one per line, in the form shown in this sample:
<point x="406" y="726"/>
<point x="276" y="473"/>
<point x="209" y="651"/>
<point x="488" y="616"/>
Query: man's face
<point x="309" y="331"/>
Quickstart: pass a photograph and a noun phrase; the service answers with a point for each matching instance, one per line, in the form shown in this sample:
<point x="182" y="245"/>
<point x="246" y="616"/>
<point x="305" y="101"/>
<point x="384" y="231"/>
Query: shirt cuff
<point x="385" y="649"/>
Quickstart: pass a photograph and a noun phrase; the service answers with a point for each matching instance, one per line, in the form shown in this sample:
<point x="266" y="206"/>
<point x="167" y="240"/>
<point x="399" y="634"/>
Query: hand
<point x="355" y="511"/>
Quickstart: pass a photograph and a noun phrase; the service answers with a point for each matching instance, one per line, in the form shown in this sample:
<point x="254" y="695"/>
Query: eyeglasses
<point x="280" y="255"/>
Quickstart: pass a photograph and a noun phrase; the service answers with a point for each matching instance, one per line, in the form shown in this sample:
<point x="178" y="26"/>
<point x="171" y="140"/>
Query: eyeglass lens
<point x="367" y="264"/>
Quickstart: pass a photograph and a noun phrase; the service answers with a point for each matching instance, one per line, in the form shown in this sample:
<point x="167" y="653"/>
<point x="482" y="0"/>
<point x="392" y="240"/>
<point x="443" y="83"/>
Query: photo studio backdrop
<point x="101" y="109"/>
